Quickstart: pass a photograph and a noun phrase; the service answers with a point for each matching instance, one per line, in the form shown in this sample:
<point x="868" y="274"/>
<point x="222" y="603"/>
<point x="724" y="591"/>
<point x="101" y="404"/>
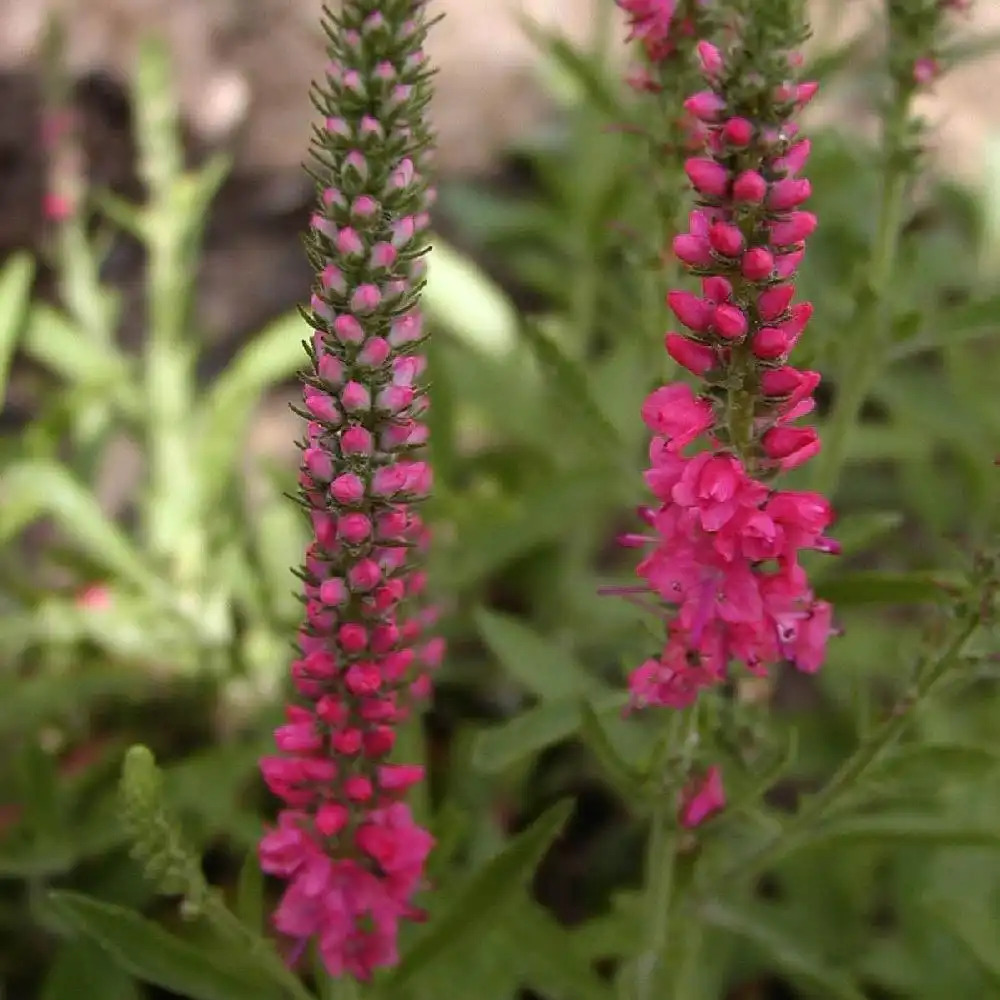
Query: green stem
<point x="873" y="320"/>
<point x="660" y="855"/>
<point x="343" y="988"/>
<point x="930" y="675"/>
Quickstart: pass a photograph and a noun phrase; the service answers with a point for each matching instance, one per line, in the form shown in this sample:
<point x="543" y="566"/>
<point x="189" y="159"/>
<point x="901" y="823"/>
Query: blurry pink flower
<point x="702" y="798"/>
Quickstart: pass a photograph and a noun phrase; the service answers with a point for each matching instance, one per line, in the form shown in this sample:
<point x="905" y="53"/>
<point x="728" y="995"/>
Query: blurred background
<point x="146" y="441"/>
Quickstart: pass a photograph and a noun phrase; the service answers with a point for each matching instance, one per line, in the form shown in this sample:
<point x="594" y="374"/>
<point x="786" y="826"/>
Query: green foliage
<point x="886" y="877"/>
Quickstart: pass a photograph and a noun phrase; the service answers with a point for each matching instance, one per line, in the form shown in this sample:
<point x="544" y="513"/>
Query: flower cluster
<point x="665" y="29"/>
<point x="345" y="840"/>
<point x="725" y="544"/>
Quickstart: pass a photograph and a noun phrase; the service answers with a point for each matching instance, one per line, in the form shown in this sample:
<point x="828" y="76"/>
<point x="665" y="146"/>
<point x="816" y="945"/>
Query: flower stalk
<point x="346" y="841"/>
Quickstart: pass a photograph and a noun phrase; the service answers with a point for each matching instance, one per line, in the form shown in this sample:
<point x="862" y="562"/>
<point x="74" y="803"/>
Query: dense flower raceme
<point x="725" y="544"/>
<point x="345" y="840"/>
<point x="666" y="30"/>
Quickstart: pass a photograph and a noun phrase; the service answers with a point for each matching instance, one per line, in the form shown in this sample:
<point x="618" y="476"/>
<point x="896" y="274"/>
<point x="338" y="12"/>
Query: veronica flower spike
<point x="345" y="841"/>
<point x="724" y="540"/>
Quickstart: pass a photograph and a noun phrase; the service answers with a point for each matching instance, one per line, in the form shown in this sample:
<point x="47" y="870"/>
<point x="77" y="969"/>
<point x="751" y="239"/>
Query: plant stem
<point x="660" y="855"/>
<point x="874" y="316"/>
<point x="661" y="852"/>
<point x="929" y="676"/>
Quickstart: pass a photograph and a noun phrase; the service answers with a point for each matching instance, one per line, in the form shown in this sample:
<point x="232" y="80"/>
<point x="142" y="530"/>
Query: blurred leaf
<point x="873" y="587"/>
<point x="54" y="341"/>
<point x="938" y="762"/>
<point x="15" y="291"/>
<point x="569" y="387"/>
<point x="250" y="893"/>
<point x="33" y="489"/>
<point x="500" y="747"/>
<point x="471" y="910"/>
<point x="784" y="948"/>
<point x="583" y="71"/>
<point x="905" y="828"/>
<point x="491" y="539"/>
<point x="623" y="776"/>
<point x="547" y="670"/>
<point x="154" y="956"/>
<point x="549" y="957"/>
<point x="977" y="940"/>
<point x="81" y="969"/>
<point x="958" y="325"/>
<point x="463" y="300"/>
<point x="982" y="43"/>
<point x="273" y="356"/>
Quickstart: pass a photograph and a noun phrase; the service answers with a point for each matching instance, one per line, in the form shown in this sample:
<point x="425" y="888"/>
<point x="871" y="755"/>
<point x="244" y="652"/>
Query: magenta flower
<point x="724" y="544"/>
<point x="345" y="840"/>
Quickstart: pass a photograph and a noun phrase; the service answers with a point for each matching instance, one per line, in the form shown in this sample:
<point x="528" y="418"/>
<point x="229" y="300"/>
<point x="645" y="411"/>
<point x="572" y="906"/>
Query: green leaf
<point x="622" y="774"/>
<point x="473" y="906"/>
<point x="904" y="828"/>
<point x="782" y="948"/>
<point x="500" y="747"/>
<point x="56" y="342"/>
<point x="81" y="969"/>
<point x="274" y="355"/>
<point x="856" y="533"/>
<point x="586" y="73"/>
<point x="975" y="941"/>
<point x="15" y="293"/>
<point x="873" y="587"/>
<point x="250" y="893"/>
<point x="552" y="962"/>
<point x="33" y="489"/>
<point x="939" y="762"/>
<point x="570" y="388"/>
<point x="548" y="671"/>
<point x="461" y="299"/>
<point x="151" y="954"/>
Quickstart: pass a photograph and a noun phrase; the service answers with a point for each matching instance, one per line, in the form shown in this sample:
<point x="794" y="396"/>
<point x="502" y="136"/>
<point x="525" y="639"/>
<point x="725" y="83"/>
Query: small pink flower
<point x="702" y="799"/>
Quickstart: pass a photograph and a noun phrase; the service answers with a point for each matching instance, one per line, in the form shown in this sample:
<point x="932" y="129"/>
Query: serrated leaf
<point x="874" y="587"/>
<point x="783" y="949"/>
<point x="474" y="905"/>
<point x="500" y="747"/>
<point x="33" y="489"/>
<point x="15" y="291"/>
<point x="149" y="953"/>
<point x="547" y="670"/>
